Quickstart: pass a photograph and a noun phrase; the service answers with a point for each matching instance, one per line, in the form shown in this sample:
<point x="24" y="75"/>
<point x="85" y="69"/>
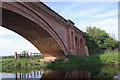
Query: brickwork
<point x="45" y="29"/>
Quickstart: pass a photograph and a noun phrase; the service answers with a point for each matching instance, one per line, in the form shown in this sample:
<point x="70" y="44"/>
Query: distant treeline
<point x="12" y="57"/>
<point x="8" y="57"/>
<point x="24" y="54"/>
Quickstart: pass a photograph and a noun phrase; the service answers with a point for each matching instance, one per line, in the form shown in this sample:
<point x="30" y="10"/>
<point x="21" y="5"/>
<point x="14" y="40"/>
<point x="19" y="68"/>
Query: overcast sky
<point x="103" y="15"/>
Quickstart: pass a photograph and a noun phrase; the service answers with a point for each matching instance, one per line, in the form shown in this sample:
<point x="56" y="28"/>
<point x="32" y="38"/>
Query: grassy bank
<point x="75" y="62"/>
<point x="89" y="61"/>
<point x="98" y="65"/>
<point x="22" y="65"/>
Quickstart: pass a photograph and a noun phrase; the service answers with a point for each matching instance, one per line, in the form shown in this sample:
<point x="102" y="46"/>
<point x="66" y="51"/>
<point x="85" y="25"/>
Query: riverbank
<point x="74" y="62"/>
<point x="22" y="65"/>
<point x="89" y="61"/>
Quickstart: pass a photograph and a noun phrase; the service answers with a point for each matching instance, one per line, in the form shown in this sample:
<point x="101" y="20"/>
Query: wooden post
<point x="24" y="55"/>
<point x="30" y="56"/>
<point x="15" y="55"/>
<point x="20" y="75"/>
<point x="20" y="56"/>
<point x="27" y="55"/>
<point x="27" y="75"/>
<point x="31" y="74"/>
<point x="40" y="56"/>
<point x="15" y="76"/>
<point x="37" y="73"/>
<point x="34" y="74"/>
<point x="40" y="73"/>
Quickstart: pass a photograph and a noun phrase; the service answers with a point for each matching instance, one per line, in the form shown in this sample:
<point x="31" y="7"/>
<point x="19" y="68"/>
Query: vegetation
<point x="103" y="65"/>
<point x="98" y="41"/>
<point x="77" y="62"/>
<point x="8" y="57"/>
<point x="74" y="62"/>
<point x="98" y="63"/>
<point x="96" y="71"/>
<point x="24" y="54"/>
<point x="21" y="65"/>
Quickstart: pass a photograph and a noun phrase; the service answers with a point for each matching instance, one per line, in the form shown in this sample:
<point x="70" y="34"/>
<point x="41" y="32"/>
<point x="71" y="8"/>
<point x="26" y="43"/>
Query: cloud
<point x="79" y="0"/>
<point x="3" y="32"/>
<point x="9" y="46"/>
<point x="83" y="13"/>
<point x="63" y="8"/>
<point x="15" y="43"/>
<point x="109" y="25"/>
<point x="74" y="9"/>
<point x="85" y="10"/>
<point x="107" y="14"/>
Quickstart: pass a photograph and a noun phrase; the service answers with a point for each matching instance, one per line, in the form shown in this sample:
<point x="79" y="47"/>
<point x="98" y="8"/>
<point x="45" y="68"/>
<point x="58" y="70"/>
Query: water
<point x="33" y="74"/>
<point x="104" y="73"/>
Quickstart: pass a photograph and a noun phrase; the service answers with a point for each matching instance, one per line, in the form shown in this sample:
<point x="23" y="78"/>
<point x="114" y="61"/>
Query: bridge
<point x="49" y="32"/>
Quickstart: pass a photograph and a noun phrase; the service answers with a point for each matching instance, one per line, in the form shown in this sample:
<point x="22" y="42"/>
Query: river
<point x="106" y="73"/>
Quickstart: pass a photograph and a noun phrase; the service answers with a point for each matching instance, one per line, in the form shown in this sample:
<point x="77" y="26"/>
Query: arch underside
<point x="33" y="32"/>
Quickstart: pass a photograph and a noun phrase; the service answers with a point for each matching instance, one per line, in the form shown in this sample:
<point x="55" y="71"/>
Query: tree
<point x="109" y="44"/>
<point x="25" y="53"/>
<point x="91" y="44"/>
<point x="100" y="39"/>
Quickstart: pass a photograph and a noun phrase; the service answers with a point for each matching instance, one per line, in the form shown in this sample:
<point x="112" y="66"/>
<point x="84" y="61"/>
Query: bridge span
<point x="49" y="32"/>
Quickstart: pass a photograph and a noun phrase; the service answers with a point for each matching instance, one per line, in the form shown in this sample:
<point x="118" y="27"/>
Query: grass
<point x="104" y="72"/>
<point x="21" y="65"/>
<point x="75" y="62"/>
<point x="92" y="60"/>
<point x="98" y="65"/>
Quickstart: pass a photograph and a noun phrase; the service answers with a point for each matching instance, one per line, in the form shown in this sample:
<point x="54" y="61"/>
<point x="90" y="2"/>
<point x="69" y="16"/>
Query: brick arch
<point x="38" y="33"/>
<point x="77" y="44"/>
<point x="81" y="41"/>
<point x="41" y="26"/>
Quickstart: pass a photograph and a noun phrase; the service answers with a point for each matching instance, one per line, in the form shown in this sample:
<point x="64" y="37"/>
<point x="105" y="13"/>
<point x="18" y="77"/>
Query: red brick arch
<point x="44" y="28"/>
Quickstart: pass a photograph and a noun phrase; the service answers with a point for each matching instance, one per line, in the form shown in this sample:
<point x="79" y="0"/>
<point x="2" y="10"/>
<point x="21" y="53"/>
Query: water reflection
<point x="117" y="77"/>
<point x="33" y="74"/>
<point x="40" y="75"/>
<point x="60" y="75"/>
<point x="66" y="74"/>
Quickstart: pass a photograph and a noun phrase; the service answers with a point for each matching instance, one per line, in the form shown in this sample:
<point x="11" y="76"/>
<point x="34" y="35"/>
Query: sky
<point x="103" y="15"/>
